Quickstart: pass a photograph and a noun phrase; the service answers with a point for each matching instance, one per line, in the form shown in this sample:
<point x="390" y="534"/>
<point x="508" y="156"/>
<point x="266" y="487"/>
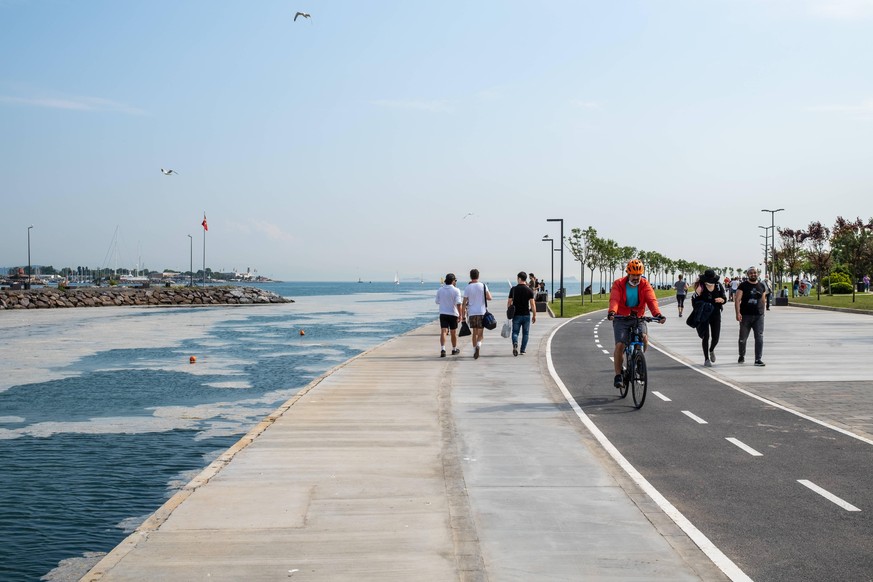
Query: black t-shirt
<point x="521" y="296"/>
<point x="753" y="298"/>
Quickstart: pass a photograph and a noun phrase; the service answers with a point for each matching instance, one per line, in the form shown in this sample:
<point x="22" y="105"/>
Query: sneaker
<point x="741" y="359"/>
<point x="707" y="364"/>
<point x="759" y="363"/>
<point x="617" y="381"/>
<point x="521" y="352"/>
<point x="455" y="352"/>
<point x="442" y="353"/>
<point x="476" y="353"/>
<point x="514" y="349"/>
<point x="711" y="356"/>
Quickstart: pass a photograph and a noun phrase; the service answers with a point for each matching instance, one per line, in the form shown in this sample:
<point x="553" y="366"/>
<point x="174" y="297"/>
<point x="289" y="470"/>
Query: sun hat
<point x="709" y="276"/>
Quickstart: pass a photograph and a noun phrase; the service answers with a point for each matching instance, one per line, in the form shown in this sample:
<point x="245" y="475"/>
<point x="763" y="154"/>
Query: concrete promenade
<point x="400" y="465"/>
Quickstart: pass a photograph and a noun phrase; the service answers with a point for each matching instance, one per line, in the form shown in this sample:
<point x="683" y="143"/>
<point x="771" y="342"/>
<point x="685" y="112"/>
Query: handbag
<point x="510" y="312"/>
<point x="465" y="329"/>
<point x="507" y="329"/>
<point x="488" y="320"/>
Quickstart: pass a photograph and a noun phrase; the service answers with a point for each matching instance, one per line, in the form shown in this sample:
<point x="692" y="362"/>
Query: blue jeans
<point x="521" y="322"/>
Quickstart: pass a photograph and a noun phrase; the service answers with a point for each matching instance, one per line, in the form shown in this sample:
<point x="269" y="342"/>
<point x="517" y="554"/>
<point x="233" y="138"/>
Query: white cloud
<point x="842" y="9"/>
<point x="581" y="104"/>
<point x="74" y="104"/>
<point x="434" y="105"/>
<point x="863" y="112"/>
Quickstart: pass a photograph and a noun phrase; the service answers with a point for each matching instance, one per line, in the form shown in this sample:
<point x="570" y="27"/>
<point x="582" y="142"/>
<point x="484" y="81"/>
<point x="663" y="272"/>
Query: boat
<point x="396" y="279"/>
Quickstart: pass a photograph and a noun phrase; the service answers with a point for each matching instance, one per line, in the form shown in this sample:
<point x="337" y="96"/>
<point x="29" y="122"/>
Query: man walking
<point x="475" y="295"/>
<point x="448" y="297"/>
<point x="749" y="304"/>
<point x="681" y="290"/>
<point x="522" y="301"/>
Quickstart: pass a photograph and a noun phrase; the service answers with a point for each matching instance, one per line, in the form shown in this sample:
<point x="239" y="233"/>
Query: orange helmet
<point x="635" y="267"/>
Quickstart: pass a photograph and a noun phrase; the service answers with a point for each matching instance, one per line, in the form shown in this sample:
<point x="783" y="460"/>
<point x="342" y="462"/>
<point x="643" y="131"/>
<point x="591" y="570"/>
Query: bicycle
<point x="634" y="374"/>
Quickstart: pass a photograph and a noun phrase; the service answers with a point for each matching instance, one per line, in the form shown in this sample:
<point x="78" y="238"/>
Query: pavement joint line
<point x="761" y="398"/>
<point x="828" y="495"/>
<point x="725" y="564"/>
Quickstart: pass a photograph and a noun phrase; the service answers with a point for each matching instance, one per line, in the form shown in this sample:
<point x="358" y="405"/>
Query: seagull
<point x="303" y="14"/>
<point x="466" y="215"/>
<point x="169" y="172"/>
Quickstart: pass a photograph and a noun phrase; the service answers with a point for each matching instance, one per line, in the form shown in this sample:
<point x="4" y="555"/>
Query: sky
<point x="355" y="144"/>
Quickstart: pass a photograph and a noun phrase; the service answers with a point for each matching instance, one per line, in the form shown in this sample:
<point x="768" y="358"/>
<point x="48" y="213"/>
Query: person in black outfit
<point x="749" y="303"/>
<point x="521" y="298"/>
<point x="708" y="290"/>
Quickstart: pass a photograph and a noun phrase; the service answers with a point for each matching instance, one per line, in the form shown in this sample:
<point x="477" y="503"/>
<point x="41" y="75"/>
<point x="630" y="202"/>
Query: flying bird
<point x="466" y="215"/>
<point x="169" y="172"/>
<point x="303" y="14"/>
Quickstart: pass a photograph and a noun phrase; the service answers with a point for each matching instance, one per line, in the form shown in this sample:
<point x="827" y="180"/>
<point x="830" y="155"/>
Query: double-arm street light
<point x="27" y="283"/>
<point x="770" y="272"/>
<point x="551" y="242"/>
<point x="766" y="236"/>
<point x="561" y="288"/>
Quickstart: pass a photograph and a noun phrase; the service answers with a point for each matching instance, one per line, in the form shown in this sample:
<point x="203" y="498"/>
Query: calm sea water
<point x="103" y="418"/>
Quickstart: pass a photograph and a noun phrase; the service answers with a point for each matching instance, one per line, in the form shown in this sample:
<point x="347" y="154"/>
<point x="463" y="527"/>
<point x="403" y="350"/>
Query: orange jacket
<point x="618" y="299"/>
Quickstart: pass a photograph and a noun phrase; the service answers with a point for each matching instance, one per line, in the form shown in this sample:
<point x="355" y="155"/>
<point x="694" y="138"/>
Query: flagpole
<point x="205" y="228"/>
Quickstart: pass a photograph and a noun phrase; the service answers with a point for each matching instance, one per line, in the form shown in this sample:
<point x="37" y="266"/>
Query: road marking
<point x="744" y="446"/>
<point x="718" y="557"/>
<point x="694" y="417"/>
<point x="661" y="396"/>
<point x="605" y="351"/>
<point x="828" y="495"/>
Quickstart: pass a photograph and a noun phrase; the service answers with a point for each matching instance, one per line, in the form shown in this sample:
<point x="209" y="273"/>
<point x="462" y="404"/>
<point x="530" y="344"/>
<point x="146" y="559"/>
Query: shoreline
<point x="51" y="298"/>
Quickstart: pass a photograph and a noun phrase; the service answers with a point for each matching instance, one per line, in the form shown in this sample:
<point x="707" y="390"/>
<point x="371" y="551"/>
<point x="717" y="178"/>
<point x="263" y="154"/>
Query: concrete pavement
<point x="400" y="465"/>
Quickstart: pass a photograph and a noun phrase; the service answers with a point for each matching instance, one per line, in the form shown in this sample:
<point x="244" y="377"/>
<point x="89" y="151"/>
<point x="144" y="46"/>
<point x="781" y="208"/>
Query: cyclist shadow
<point x="608" y="405"/>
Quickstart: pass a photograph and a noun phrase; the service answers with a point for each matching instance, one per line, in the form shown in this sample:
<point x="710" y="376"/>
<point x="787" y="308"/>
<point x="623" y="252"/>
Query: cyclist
<point x="628" y="295"/>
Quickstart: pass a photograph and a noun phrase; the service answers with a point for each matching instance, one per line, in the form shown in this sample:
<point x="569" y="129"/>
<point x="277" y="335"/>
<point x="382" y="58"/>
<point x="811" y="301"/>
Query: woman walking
<point x="709" y="296"/>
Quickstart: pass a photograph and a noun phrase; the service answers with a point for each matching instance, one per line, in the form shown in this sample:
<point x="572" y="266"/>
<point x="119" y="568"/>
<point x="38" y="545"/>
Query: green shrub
<point x="835" y="278"/>
<point x="841" y="288"/>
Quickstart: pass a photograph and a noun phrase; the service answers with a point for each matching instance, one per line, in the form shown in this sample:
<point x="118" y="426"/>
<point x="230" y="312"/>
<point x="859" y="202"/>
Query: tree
<point x="818" y="254"/>
<point x="852" y="243"/>
<point x="581" y="245"/>
<point x="792" y="254"/>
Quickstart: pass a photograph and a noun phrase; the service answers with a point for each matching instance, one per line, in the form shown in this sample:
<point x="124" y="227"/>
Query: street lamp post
<point x="773" y="248"/>
<point x="766" y="248"/>
<point x="551" y="242"/>
<point x="191" y="268"/>
<point x="27" y="283"/>
<point x="561" y="220"/>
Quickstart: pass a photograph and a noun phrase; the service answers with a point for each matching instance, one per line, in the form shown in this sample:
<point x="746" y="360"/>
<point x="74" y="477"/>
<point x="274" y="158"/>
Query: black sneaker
<point x="442" y="353"/>
<point x="759" y="363"/>
<point x="741" y="359"/>
<point x="711" y="356"/>
<point x="476" y="353"/>
<point x="521" y="352"/>
<point x="455" y="352"/>
<point x="514" y="349"/>
<point x="617" y="381"/>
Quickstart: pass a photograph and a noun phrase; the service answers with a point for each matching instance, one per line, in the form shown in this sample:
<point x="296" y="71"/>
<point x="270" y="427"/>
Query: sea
<point x="103" y="415"/>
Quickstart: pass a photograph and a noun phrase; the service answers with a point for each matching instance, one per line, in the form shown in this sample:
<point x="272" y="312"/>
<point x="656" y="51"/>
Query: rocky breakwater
<point x="49" y="298"/>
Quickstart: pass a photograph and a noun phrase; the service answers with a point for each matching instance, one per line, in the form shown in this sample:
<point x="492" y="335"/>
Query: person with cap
<point x="749" y="304"/>
<point x="451" y="304"/>
<point x="709" y="291"/>
<point x="630" y="294"/>
<point x="522" y="303"/>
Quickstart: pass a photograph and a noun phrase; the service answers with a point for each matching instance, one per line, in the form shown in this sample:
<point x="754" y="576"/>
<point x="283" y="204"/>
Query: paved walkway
<point x="400" y="465"/>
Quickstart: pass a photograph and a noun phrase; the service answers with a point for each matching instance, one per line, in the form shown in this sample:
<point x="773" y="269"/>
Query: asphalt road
<point x="761" y="498"/>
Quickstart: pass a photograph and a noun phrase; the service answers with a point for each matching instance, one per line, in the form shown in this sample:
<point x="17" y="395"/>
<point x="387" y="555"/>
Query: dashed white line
<point x="828" y="495"/>
<point x="605" y="351"/>
<point x="744" y="446"/>
<point x="661" y="396"/>
<point x="694" y="417"/>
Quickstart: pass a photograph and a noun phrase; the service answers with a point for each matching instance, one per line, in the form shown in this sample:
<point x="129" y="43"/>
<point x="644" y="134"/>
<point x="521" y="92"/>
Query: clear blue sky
<point x="352" y="144"/>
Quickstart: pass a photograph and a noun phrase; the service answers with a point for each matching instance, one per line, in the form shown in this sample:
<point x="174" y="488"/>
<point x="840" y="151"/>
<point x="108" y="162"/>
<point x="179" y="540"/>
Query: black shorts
<point x="680" y="299"/>
<point x="448" y="321"/>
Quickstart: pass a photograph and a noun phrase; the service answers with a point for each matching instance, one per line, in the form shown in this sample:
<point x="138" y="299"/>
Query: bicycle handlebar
<point x="645" y="318"/>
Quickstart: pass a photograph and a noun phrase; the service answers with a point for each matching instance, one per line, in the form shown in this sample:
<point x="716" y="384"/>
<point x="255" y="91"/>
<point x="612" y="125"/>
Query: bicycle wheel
<point x="625" y="375"/>
<point x="640" y="378"/>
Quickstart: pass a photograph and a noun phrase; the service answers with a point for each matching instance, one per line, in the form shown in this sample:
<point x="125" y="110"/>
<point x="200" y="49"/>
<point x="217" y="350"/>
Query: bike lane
<point x="758" y="497"/>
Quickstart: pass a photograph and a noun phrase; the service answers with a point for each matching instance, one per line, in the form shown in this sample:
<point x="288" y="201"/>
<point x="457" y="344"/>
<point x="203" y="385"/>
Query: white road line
<point x="661" y="396"/>
<point x="599" y="346"/>
<point x="605" y="351"/>
<point x="694" y="417"/>
<point x="828" y="495"/>
<point x="718" y="557"/>
<point x="744" y="446"/>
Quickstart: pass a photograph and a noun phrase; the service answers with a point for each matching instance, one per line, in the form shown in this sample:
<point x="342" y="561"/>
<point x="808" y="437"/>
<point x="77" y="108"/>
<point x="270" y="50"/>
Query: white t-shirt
<point x="448" y="297"/>
<point x="474" y="293"/>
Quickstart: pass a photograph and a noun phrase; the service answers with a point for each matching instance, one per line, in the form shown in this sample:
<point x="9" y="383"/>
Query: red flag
<point x="205" y="227"/>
